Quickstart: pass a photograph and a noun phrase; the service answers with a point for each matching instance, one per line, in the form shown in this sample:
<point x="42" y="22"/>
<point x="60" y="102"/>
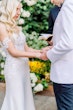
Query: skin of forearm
<point x="17" y="53"/>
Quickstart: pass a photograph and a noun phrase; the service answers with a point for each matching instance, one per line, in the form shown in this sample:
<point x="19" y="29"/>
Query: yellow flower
<point x="37" y="66"/>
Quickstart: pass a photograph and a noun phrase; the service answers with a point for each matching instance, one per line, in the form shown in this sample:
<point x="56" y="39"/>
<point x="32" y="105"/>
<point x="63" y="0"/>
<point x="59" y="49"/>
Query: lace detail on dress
<point x="6" y="42"/>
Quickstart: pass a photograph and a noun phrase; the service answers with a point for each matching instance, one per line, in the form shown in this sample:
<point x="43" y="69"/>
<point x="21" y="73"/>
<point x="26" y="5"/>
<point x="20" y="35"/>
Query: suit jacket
<point x="61" y="55"/>
<point x="52" y="17"/>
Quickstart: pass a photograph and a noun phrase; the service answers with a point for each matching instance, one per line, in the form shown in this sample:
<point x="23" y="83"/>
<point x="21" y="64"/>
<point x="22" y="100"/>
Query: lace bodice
<point x="19" y="41"/>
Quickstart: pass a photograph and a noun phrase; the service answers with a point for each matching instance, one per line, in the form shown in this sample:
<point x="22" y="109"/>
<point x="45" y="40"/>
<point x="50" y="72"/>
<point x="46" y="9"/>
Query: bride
<point x="18" y="87"/>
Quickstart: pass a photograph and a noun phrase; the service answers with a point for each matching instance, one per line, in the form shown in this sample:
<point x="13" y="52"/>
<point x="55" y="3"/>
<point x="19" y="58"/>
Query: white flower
<point x="32" y="84"/>
<point x="21" y="21"/>
<point x="30" y="2"/>
<point x="33" y="77"/>
<point x="21" y="10"/>
<point x="31" y="37"/>
<point x="38" y="88"/>
<point x="2" y="72"/>
<point x="25" y="14"/>
<point x="34" y="33"/>
<point x="3" y="53"/>
<point x="2" y="65"/>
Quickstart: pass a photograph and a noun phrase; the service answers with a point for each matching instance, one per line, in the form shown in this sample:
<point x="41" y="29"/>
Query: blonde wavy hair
<point x="7" y="12"/>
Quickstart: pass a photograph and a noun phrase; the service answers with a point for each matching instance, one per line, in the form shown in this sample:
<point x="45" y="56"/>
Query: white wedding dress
<point x="17" y="75"/>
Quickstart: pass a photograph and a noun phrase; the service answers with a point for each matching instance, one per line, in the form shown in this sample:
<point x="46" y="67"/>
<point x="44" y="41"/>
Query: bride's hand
<point x="38" y="55"/>
<point x="39" y="51"/>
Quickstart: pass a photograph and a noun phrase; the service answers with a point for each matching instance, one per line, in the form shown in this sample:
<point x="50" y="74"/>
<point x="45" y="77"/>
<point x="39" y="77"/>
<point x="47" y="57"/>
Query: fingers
<point x="43" y="56"/>
<point x="38" y="55"/>
<point x="43" y="52"/>
<point x="46" y="48"/>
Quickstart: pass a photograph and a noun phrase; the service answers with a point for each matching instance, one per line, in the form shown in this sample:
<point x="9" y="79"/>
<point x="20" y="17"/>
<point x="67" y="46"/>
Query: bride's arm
<point x="17" y="53"/>
<point x="11" y="48"/>
<point x="29" y="49"/>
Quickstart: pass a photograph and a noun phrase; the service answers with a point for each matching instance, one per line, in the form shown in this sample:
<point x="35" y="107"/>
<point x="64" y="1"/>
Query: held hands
<point x="38" y="55"/>
<point x="46" y="48"/>
<point x="43" y="55"/>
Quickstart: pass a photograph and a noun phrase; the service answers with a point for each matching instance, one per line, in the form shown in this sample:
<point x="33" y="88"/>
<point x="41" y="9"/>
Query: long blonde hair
<point x="7" y="12"/>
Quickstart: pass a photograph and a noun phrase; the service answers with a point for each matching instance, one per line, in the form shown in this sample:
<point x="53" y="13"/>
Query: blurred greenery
<point x="34" y="42"/>
<point x="2" y="79"/>
<point x="38" y="21"/>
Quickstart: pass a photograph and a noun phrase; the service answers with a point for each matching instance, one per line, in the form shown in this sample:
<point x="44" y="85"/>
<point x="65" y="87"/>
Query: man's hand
<point x="44" y="52"/>
<point x="47" y="48"/>
<point x="44" y="56"/>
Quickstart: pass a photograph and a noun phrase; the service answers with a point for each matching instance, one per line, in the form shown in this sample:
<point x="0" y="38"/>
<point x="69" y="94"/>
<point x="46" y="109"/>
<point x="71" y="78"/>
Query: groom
<point x="61" y="56"/>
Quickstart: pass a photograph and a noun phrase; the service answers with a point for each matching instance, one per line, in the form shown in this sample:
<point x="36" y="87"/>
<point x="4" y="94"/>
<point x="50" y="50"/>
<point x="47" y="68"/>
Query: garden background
<point x="34" y="21"/>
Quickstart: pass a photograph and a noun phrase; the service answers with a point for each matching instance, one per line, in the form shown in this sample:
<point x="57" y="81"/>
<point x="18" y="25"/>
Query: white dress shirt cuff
<point x="50" y="56"/>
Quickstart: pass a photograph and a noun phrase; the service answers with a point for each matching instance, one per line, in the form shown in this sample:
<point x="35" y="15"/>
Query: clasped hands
<point x="43" y="53"/>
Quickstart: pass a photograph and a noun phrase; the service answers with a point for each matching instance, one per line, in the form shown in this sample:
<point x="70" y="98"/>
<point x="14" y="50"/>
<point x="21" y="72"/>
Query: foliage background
<point x="38" y="20"/>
